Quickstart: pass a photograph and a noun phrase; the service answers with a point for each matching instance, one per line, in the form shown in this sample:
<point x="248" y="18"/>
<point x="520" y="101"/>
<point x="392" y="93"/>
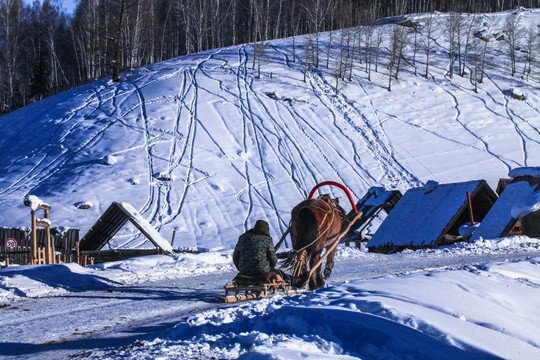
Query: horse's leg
<point x="329" y="264"/>
<point x="315" y="279"/>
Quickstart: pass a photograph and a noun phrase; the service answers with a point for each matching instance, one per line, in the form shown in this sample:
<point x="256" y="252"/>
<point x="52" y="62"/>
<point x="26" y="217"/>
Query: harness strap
<point x="325" y="230"/>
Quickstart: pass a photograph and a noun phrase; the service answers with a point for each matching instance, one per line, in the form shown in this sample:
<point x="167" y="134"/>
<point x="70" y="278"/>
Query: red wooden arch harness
<point x="341" y="186"/>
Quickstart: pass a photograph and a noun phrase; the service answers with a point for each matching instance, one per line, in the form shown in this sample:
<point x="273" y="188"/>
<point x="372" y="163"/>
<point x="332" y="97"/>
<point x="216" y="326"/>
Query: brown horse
<point x="315" y="225"/>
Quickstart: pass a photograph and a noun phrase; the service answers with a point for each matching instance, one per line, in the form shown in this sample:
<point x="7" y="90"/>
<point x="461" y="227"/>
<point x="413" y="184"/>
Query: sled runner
<point x="244" y="288"/>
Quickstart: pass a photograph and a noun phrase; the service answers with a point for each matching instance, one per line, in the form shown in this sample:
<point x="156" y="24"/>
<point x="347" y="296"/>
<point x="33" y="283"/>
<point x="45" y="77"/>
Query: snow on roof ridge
<point x="430" y="186"/>
<point x="524" y="171"/>
<point x="526" y="206"/>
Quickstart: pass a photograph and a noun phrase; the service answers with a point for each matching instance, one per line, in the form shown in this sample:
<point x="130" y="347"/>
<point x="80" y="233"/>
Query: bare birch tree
<point x="309" y="54"/>
<point x="531" y="49"/>
<point x="429" y="26"/>
<point x="402" y="36"/>
<point x="452" y="24"/>
<point x="11" y="50"/>
<point x="512" y="31"/>
<point x="477" y="52"/>
<point x="316" y="11"/>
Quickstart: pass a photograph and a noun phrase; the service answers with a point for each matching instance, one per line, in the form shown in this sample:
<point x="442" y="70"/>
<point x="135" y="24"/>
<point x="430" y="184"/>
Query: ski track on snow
<point x="284" y="140"/>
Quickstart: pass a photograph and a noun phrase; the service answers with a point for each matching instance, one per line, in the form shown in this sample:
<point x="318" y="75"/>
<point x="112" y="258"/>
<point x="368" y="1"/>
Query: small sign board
<point x="11" y="243"/>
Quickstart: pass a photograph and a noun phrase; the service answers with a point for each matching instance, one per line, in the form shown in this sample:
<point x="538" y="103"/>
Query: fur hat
<point x="262" y="226"/>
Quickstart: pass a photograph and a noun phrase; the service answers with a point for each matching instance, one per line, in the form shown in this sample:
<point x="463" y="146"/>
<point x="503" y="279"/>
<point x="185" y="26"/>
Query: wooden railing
<point x="23" y="255"/>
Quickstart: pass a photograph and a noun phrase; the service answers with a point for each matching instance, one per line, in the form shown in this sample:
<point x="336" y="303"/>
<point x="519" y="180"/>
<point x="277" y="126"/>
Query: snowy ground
<point x="201" y="147"/>
<point x="466" y="301"/>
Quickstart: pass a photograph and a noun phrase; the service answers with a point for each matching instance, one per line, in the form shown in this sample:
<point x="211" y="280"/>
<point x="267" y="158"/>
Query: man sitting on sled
<point x="254" y="257"/>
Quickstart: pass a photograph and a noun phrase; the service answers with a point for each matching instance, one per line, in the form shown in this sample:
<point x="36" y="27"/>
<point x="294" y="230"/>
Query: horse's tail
<point x="307" y="229"/>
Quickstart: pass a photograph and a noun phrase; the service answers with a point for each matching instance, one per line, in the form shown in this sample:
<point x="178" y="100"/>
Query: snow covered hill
<point x="201" y="146"/>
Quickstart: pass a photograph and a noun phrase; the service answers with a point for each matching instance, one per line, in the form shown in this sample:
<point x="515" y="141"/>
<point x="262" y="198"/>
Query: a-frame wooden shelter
<point x="430" y="216"/>
<point x="112" y="220"/>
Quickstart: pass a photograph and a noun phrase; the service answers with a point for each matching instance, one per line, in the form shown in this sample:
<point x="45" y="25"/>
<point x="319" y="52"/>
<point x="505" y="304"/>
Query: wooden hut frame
<point x="112" y="220"/>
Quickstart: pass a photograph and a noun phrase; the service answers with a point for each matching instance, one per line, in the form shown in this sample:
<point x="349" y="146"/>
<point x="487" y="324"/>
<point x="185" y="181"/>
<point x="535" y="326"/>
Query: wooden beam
<point x="34" y="237"/>
<point x="470" y="207"/>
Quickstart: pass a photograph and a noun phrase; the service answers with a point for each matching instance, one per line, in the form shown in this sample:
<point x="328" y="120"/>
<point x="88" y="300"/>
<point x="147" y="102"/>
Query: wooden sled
<point x="247" y="288"/>
<point x="244" y="288"/>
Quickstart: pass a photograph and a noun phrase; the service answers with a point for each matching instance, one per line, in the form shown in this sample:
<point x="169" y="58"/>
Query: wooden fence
<point x="65" y="243"/>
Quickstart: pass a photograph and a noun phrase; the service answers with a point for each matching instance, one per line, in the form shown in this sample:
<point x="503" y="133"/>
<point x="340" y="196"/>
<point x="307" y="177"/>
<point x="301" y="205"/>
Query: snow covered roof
<point x="528" y="171"/>
<point x="112" y="220"/>
<point x="424" y="215"/>
<point x="517" y="200"/>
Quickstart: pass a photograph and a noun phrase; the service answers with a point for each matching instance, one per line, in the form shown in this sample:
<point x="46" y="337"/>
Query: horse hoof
<point x="313" y="285"/>
<point x="327" y="273"/>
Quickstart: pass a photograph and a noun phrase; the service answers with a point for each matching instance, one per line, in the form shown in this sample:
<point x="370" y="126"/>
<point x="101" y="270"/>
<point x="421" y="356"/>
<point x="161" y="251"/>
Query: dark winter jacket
<point x="254" y="253"/>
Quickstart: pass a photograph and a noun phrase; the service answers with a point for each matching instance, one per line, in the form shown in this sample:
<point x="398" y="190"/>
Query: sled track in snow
<point x="372" y="139"/>
<point x="46" y="169"/>
<point x="245" y="92"/>
<point x="484" y="143"/>
<point x="511" y="116"/>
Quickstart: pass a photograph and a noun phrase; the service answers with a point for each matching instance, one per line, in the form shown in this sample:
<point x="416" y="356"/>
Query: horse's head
<point x="333" y="202"/>
<point x="325" y="197"/>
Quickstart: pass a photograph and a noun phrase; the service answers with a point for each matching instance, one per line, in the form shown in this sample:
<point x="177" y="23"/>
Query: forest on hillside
<point x="44" y="51"/>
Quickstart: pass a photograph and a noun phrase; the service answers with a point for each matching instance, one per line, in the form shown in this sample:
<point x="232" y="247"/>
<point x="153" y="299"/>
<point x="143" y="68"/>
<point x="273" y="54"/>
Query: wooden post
<point x="53" y="250"/>
<point x="34" y="237"/>
<point x="41" y="256"/>
<point x="47" y="246"/>
<point x="50" y="259"/>
<point x="77" y="252"/>
<point x="173" y="236"/>
<point x="470" y="208"/>
<point x="37" y="253"/>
